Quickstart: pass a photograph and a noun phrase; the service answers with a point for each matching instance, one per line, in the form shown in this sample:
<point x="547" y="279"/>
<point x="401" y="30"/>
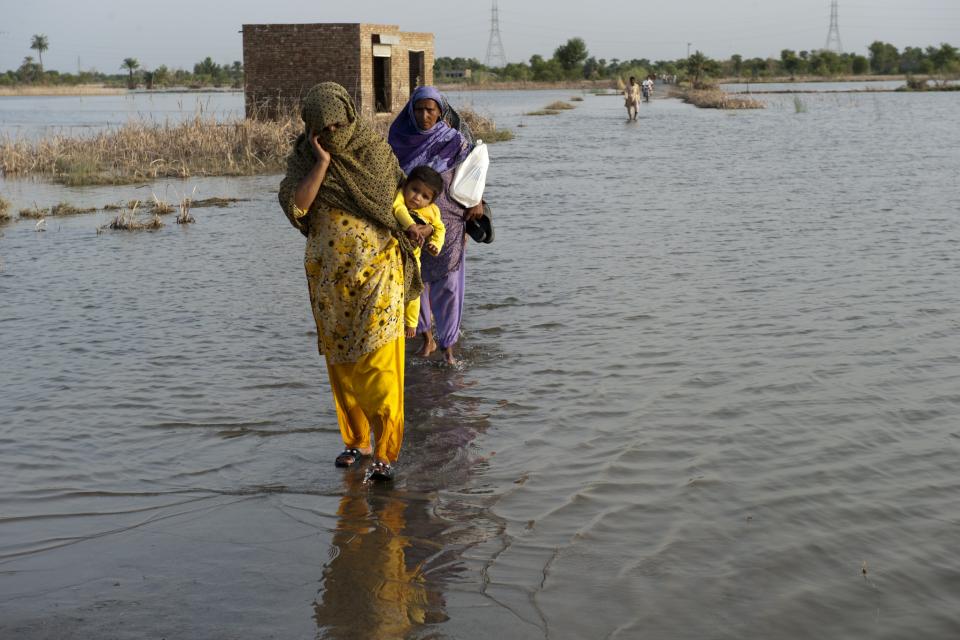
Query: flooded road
<point x="710" y="390"/>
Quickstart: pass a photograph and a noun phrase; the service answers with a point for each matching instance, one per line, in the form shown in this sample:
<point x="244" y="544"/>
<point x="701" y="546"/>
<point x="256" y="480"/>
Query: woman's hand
<point x="307" y="190"/>
<point x="323" y="156"/>
<point x="473" y="213"/>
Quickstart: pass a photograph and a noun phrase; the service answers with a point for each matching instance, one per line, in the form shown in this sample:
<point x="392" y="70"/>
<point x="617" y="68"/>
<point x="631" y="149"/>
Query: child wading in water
<point x="420" y="218"/>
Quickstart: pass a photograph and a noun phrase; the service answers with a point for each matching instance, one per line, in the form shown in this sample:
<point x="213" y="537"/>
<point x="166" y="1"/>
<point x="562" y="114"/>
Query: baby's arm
<point x="401" y="213"/>
<point x="415" y="233"/>
<point x="435" y="242"/>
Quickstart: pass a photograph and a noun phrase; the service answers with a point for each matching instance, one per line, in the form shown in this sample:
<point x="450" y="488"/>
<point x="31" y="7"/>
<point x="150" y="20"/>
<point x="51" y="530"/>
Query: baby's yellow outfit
<point x="431" y="215"/>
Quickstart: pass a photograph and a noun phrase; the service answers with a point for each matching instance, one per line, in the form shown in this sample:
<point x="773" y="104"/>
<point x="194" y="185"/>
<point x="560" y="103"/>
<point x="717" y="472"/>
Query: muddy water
<point x="709" y="391"/>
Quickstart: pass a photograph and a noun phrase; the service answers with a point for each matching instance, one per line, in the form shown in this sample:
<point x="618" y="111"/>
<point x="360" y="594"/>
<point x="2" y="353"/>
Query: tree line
<point x="572" y="61"/>
<point x="206" y="73"/>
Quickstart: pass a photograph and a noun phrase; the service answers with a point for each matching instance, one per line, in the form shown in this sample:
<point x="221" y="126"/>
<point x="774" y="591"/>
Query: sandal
<point x="381" y="471"/>
<point x="348" y="457"/>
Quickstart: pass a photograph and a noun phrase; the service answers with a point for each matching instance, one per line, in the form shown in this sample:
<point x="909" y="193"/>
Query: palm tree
<point x="131" y="65"/>
<point x="41" y="44"/>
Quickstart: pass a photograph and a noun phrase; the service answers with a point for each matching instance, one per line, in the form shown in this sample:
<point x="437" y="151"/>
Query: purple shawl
<point x="441" y="147"/>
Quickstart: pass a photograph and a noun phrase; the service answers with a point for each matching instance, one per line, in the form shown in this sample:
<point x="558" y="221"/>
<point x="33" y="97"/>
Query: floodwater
<point x="711" y="389"/>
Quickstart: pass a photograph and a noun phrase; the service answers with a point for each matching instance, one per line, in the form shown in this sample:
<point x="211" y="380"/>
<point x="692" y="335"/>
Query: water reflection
<point x="375" y="587"/>
<point x="396" y="548"/>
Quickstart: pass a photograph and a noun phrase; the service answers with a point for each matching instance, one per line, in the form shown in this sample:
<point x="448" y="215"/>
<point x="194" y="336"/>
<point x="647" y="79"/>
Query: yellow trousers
<point x="368" y="395"/>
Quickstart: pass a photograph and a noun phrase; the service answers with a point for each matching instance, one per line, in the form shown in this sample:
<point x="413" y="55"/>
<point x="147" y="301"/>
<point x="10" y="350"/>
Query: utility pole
<point x="688" y="48"/>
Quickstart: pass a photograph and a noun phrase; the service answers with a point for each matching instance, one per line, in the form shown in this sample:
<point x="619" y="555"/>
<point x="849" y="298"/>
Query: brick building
<point x="378" y="64"/>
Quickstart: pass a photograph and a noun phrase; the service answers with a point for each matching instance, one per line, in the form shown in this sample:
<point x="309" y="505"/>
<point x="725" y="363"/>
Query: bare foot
<point x="429" y="346"/>
<point x="448" y="357"/>
<point x="411" y="332"/>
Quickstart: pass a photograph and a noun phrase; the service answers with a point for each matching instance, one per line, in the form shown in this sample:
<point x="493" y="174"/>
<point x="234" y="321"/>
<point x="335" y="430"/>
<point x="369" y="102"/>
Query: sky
<point x="100" y="34"/>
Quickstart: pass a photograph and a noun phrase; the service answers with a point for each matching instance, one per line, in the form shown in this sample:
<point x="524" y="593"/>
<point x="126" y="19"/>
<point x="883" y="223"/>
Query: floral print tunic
<point x="355" y="277"/>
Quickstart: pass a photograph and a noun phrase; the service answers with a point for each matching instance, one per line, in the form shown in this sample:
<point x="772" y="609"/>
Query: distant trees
<point x="572" y="54"/>
<point x="944" y="59"/>
<point x="736" y="64"/>
<point x="884" y="57"/>
<point x="859" y="65"/>
<point x="698" y="67"/>
<point x="572" y="60"/>
<point x="208" y="72"/>
<point x="29" y="70"/>
<point x="40" y="43"/>
<point x="790" y="62"/>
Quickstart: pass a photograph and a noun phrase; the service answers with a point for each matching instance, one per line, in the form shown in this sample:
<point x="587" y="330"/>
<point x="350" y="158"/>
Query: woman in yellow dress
<point x="338" y="191"/>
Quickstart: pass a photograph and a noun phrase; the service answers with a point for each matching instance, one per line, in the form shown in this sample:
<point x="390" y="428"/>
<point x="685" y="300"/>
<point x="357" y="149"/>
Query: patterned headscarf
<point x="363" y="175"/>
<point x="441" y="147"/>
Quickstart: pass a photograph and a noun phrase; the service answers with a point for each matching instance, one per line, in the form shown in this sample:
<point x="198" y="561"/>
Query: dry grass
<point x="718" y="99"/>
<point x="141" y="150"/>
<point x="5" y="210"/>
<point x="67" y="209"/>
<point x="483" y="127"/>
<point x="34" y="212"/>
<point x="184" y="216"/>
<point x="160" y="207"/>
<point x="144" y="150"/>
<point x="560" y="105"/>
<point x="127" y="220"/>
<point x="542" y="112"/>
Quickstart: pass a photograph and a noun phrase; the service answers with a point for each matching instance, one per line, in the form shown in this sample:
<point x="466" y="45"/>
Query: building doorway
<point x="416" y="70"/>
<point x="381" y="85"/>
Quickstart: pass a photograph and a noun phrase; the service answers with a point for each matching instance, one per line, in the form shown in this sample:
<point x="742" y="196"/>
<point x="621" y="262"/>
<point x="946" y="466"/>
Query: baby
<point x="420" y="219"/>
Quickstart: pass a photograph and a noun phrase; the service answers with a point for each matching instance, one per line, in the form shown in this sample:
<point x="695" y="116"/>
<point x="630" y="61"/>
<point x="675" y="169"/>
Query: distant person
<point x="647" y="88"/>
<point x="417" y="214"/>
<point x="631" y="94"/>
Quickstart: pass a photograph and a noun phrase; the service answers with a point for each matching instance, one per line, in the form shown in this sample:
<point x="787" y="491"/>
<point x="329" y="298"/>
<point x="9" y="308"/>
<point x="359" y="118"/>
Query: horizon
<point x="112" y="31"/>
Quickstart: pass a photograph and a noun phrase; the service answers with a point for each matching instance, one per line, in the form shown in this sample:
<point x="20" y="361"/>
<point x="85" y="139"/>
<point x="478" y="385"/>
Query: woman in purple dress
<point x="429" y="132"/>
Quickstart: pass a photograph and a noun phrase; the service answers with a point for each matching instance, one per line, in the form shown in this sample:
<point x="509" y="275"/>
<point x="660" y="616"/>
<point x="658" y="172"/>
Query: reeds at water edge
<point x="5" y="210"/>
<point x="184" y="216"/>
<point x="127" y="220"/>
<point x="551" y="109"/>
<point x="483" y="127"/>
<point x="716" y="98"/>
<point x="143" y="150"/>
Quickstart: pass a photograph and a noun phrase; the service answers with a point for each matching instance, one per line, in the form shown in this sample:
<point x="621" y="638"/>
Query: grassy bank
<point x="141" y="150"/>
<point x="807" y="78"/>
<point x="61" y="90"/>
<point x="529" y="85"/>
<point x="715" y="98"/>
<point x="201" y="146"/>
<point x="915" y="83"/>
